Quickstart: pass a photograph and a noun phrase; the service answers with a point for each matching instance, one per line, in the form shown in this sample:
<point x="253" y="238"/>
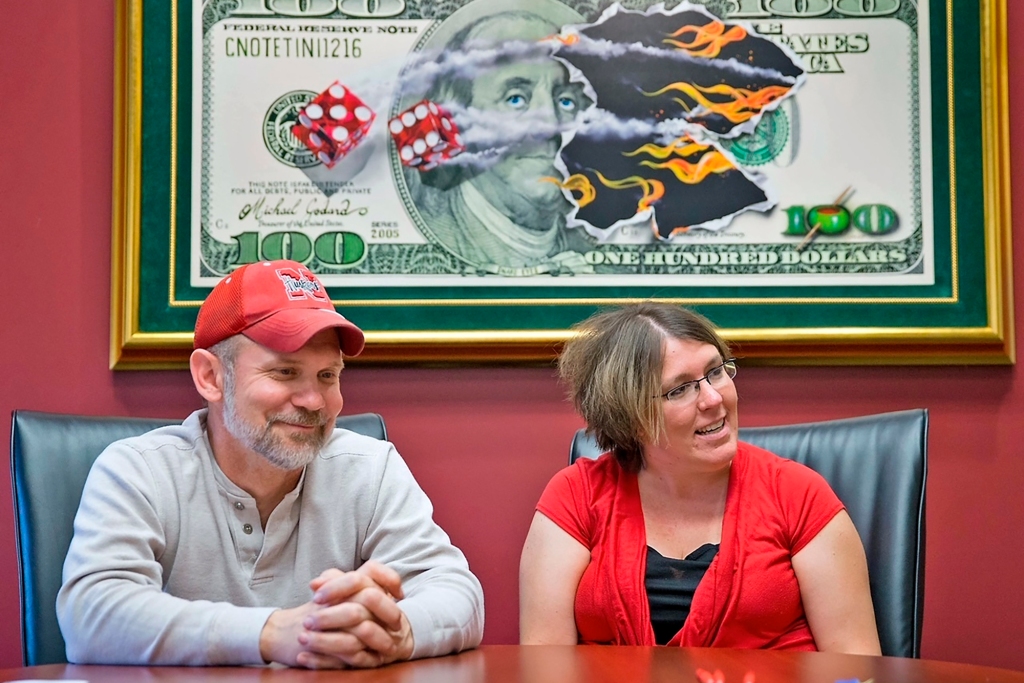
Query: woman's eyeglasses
<point x="717" y="376"/>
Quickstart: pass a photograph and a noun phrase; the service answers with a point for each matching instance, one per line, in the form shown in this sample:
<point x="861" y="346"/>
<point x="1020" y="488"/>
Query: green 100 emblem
<point x="330" y="248"/>
<point x="871" y="219"/>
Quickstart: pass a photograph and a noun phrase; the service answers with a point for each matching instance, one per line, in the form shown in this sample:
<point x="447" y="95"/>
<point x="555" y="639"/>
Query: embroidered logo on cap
<point x="300" y="284"/>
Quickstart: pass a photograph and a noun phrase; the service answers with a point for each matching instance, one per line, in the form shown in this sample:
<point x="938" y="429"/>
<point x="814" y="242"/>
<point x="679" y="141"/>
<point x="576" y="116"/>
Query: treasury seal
<point x="277" y="130"/>
<point x="765" y="143"/>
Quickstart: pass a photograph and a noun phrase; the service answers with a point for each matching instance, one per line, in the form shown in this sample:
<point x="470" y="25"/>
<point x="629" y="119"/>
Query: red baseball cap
<point x="277" y="304"/>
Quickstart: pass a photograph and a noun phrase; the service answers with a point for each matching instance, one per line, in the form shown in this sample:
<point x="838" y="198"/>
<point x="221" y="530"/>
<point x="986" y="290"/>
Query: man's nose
<point x="545" y="116"/>
<point x="542" y="104"/>
<point x="309" y="396"/>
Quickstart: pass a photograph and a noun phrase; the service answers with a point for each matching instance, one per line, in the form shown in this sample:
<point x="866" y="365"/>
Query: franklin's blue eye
<point x="566" y="104"/>
<point x="516" y="101"/>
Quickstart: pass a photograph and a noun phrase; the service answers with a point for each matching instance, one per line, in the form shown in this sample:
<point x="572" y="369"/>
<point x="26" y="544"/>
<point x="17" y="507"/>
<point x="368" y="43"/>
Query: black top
<point x="670" y="586"/>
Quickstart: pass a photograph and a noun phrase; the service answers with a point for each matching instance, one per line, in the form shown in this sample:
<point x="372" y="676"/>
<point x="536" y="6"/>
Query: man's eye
<point x="716" y="373"/>
<point x="566" y="103"/>
<point x="516" y="101"/>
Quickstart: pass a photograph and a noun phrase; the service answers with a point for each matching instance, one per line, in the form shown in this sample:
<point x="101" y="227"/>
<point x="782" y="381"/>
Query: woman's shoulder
<point x="782" y="472"/>
<point x="598" y="472"/>
<point x="603" y="465"/>
<point x="581" y="497"/>
<point x="587" y="477"/>
<point x="758" y="460"/>
<point x="799" y="498"/>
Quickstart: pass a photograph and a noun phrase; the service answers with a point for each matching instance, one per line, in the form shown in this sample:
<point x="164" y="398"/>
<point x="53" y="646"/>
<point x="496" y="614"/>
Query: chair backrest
<point x="50" y="458"/>
<point x="877" y="465"/>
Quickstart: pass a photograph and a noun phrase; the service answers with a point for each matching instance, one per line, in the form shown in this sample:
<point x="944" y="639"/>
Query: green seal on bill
<point x="765" y="143"/>
<point x="277" y="130"/>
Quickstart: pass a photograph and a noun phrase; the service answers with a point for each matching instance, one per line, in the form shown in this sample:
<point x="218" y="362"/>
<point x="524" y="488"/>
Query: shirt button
<point x="239" y="506"/>
<point x="247" y="528"/>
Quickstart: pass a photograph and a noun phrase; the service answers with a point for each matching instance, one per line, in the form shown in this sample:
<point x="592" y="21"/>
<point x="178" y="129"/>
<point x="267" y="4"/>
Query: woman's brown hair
<point x="612" y="368"/>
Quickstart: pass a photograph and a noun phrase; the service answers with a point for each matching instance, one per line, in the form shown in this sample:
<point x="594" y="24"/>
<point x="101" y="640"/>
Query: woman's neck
<point x="663" y="475"/>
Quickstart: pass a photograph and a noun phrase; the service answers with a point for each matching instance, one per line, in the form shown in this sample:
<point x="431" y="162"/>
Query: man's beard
<point x="290" y="452"/>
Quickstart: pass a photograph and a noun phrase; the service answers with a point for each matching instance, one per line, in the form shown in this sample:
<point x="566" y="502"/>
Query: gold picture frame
<point x="979" y="179"/>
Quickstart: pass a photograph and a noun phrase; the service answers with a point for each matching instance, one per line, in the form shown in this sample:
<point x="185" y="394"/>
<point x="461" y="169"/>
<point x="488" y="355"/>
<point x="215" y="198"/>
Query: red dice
<point x="333" y="123"/>
<point x="425" y="135"/>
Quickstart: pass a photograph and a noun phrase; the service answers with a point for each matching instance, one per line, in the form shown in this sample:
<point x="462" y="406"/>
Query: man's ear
<point x="207" y="375"/>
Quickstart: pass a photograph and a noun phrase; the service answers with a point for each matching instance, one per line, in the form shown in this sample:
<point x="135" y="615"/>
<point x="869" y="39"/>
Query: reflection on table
<point x="568" y="664"/>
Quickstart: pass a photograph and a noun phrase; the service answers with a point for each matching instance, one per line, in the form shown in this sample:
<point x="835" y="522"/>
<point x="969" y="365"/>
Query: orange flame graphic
<point x="653" y="189"/>
<point x="576" y="183"/>
<point x="707" y="40"/>
<point x="682" y="147"/>
<point x="694" y="173"/>
<point x="741" y="104"/>
<point x="685" y="171"/>
<point x="570" y="39"/>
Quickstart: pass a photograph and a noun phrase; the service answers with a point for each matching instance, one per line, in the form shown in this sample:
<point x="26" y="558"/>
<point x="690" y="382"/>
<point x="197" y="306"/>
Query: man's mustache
<point x="302" y="417"/>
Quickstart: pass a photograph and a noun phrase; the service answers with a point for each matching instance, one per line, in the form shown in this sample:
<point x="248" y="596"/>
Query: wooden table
<point x="567" y="664"/>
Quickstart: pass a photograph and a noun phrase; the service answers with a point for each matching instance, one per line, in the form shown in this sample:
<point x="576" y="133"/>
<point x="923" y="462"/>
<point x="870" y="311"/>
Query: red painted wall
<point x="482" y="441"/>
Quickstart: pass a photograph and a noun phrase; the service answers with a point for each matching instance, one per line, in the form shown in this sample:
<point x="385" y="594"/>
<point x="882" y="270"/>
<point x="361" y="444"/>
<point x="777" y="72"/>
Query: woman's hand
<point x="833" y="575"/>
<point x="549" y="574"/>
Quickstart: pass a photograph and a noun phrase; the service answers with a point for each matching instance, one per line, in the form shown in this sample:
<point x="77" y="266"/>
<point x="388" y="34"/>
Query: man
<point x="511" y="214"/>
<point x="254" y="532"/>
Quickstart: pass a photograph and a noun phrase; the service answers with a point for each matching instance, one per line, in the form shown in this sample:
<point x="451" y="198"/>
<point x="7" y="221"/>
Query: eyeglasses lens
<point x="716" y="377"/>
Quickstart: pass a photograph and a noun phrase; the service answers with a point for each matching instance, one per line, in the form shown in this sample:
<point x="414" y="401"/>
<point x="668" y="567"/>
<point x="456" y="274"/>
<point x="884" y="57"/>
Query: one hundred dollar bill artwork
<point x="480" y="143"/>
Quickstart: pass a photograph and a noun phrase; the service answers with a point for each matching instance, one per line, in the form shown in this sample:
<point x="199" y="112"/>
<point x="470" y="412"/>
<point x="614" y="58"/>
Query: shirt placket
<point x="248" y="531"/>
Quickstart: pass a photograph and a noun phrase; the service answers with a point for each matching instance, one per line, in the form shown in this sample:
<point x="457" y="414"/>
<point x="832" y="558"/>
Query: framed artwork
<point x="826" y="180"/>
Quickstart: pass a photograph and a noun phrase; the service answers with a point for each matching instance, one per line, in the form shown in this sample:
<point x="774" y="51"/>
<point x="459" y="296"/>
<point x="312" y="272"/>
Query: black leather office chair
<point x="50" y="458"/>
<point x="877" y="465"/>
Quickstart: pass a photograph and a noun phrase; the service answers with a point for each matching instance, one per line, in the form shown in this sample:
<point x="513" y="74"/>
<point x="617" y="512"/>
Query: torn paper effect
<point x="667" y="86"/>
<point x="681" y="63"/>
<point x="676" y="187"/>
<point x="607" y="50"/>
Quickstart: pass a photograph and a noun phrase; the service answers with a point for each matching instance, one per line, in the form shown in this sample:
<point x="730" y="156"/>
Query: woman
<point x="682" y="535"/>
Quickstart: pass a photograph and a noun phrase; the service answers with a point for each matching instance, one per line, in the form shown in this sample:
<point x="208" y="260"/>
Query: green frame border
<point x="957" y="320"/>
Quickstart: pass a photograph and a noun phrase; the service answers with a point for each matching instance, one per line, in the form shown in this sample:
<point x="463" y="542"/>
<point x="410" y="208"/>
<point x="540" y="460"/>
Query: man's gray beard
<point x="287" y="454"/>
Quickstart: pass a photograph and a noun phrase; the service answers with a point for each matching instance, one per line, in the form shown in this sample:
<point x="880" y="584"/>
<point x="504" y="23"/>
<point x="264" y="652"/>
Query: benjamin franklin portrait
<point x="505" y="212"/>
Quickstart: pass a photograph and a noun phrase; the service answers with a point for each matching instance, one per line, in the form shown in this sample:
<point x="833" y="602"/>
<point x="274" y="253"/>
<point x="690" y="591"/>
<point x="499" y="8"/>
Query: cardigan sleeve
<point x="565" y="502"/>
<point x="808" y="502"/>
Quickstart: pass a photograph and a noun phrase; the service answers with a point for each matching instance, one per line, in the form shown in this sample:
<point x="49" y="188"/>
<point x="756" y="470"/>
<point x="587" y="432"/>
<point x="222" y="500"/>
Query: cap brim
<point x="289" y="330"/>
